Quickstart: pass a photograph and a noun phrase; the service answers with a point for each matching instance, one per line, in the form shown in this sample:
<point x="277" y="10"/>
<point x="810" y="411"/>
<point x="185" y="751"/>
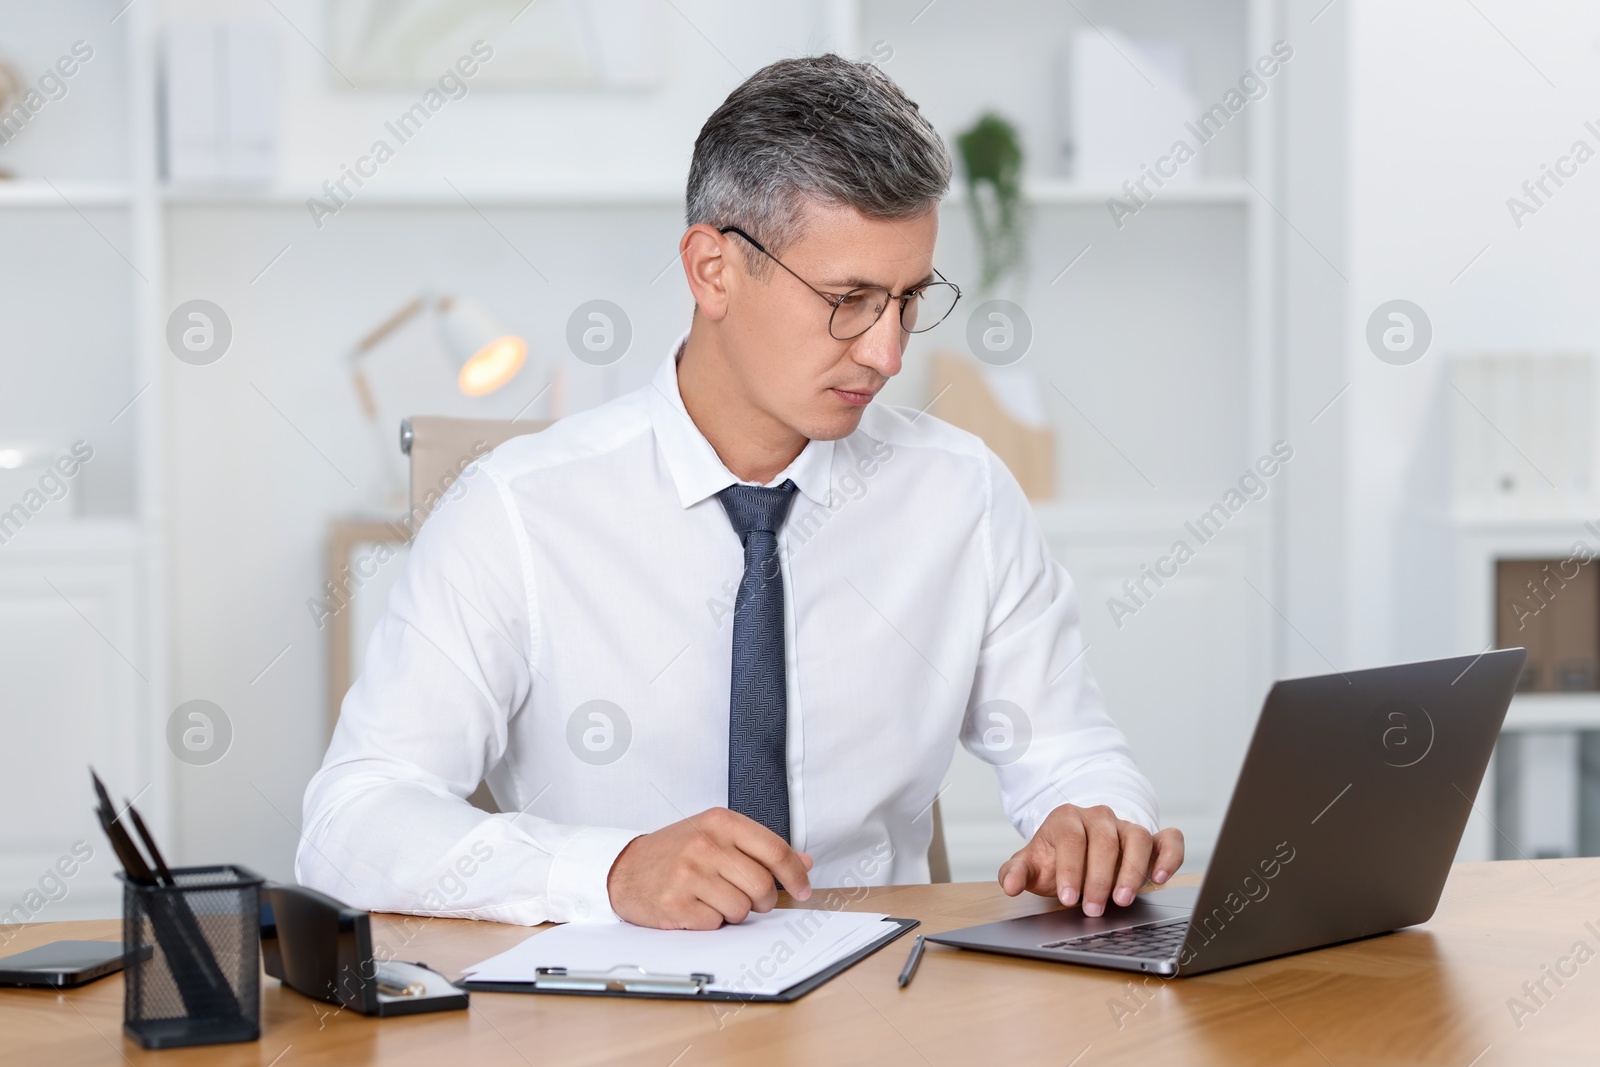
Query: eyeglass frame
<point x="836" y="300"/>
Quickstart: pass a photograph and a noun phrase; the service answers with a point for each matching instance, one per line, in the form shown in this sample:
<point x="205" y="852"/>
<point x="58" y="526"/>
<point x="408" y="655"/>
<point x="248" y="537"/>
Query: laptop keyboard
<point x="1160" y="940"/>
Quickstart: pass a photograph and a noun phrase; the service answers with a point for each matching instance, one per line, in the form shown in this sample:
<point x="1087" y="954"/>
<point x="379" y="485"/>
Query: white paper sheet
<point x="765" y="954"/>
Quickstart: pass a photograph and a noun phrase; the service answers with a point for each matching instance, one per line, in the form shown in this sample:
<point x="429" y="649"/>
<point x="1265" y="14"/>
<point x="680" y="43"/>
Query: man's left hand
<point x="1091" y="854"/>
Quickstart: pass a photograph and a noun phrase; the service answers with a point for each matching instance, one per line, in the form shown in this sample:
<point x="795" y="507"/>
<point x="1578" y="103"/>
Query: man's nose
<point x="883" y="346"/>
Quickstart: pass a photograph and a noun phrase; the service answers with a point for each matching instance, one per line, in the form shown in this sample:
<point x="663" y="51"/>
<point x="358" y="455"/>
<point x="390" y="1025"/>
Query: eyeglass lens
<point x="860" y="309"/>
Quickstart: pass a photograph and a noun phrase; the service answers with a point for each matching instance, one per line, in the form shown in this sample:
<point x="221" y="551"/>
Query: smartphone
<point x="62" y="964"/>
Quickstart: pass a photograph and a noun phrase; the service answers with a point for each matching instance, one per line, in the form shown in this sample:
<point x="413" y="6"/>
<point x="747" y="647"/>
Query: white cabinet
<point x="82" y="625"/>
<point x="76" y="691"/>
<point x="1529" y="796"/>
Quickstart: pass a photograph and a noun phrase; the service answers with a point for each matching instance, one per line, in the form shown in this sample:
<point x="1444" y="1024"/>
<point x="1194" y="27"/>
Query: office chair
<point x="438" y="447"/>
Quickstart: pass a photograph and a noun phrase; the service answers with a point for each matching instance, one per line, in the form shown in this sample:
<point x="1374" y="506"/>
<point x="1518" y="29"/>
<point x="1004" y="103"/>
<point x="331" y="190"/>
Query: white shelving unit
<point x="1208" y="250"/>
<point x="83" y="609"/>
<point x="1037" y="191"/>
<point x="1057" y="191"/>
<point x="36" y="194"/>
<point x="439" y="197"/>
<point x="1216" y="636"/>
<point x="1540" y="712"/>
<point x="1450" y="591"/>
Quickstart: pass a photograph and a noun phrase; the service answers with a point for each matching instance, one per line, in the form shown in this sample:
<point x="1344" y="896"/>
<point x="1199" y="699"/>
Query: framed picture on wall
<point x="510" y="44"/>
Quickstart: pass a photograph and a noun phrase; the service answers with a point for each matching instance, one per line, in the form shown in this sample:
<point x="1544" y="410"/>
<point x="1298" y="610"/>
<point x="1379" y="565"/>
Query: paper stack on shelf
<point x="1545" y="405"/>
<point x="220" y="104"/>
<point x="1127" y="100"/>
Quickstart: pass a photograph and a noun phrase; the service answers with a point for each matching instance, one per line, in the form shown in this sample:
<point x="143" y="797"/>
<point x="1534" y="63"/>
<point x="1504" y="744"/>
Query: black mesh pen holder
<point x="200" y="981"/>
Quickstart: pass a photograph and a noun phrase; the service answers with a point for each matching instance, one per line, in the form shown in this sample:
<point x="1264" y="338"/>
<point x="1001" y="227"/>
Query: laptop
<point x="1353" y="797"/>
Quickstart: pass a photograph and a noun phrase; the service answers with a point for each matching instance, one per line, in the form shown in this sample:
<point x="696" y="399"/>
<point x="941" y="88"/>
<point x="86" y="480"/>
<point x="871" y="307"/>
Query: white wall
<point x="502" y="139"/>
<point x="1448" y="116"/>
<point x="1312" y="300"/>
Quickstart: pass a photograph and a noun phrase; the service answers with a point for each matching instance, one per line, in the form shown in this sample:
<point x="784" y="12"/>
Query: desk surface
<point x="1434" y="994"/>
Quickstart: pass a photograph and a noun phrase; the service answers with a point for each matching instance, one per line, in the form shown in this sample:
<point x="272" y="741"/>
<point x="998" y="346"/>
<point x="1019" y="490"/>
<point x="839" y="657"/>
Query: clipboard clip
<point x="623" y="978"/>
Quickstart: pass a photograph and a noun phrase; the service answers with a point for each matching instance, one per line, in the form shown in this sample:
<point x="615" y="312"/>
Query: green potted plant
<point x="996" y="398"/>
<point x="991" y="157"/>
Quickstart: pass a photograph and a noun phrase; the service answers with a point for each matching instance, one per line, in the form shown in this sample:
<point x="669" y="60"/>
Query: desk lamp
<point x="486" y="355"/>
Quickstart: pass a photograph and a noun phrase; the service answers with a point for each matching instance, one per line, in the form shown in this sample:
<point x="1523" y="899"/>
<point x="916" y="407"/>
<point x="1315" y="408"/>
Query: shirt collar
<point x="696" y="469"/>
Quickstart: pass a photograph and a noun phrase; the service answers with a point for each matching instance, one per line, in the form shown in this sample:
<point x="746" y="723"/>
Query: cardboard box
<point x="1551" y="607"/>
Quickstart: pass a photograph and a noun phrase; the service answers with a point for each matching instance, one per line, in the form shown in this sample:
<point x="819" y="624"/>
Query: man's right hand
<point x="711" y="868"/>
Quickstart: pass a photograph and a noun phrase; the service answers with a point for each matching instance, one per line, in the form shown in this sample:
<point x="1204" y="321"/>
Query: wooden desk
<point x="1435" y="994"/>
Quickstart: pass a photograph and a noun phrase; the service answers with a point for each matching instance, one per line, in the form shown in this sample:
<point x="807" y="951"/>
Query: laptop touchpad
<point x="1072" y="922"/>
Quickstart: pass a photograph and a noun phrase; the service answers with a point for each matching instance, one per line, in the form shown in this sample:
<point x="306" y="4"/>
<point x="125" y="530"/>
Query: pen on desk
<point x="396" y="988"/>
<point x="911" y="962"/>
<point x="396" y="984"/>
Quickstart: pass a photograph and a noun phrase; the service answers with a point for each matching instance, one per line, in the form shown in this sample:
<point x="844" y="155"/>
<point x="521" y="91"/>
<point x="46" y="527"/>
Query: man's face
<point x="786" y="362"/>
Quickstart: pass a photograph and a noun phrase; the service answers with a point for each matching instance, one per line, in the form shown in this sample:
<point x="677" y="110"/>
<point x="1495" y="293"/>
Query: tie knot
<point x="757" y="507"/>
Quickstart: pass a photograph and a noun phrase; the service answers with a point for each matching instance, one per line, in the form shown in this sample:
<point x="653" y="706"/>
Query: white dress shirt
<point x="593" y="562"/>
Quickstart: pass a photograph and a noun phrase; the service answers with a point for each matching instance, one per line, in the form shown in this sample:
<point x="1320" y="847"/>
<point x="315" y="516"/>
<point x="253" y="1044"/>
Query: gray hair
<point x="822" y="129"/>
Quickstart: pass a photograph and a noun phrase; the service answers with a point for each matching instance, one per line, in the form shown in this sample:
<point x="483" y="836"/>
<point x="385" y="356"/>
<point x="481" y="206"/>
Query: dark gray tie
<point x="758" y="779"/>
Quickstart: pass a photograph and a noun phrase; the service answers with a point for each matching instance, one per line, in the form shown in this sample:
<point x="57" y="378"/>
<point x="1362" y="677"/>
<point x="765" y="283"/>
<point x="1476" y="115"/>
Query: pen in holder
<point x="200" y="984"/>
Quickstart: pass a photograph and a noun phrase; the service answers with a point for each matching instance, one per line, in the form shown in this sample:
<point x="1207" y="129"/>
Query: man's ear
<point x="707" y="267"/>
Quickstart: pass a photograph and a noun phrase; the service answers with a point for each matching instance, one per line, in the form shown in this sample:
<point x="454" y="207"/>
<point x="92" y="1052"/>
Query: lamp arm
<point x="375" y="337"/>
<point x="389" y="325"/>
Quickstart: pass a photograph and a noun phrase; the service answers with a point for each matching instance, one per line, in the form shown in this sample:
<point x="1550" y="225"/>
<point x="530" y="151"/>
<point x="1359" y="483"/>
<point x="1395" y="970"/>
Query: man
<point x="722" y="634"/>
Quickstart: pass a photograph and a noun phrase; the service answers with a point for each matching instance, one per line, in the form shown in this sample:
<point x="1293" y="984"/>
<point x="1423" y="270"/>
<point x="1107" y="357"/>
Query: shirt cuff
<point x="1133" y="815"/>
<point x="1118" y="804"/>
<point x="578" y="874"/>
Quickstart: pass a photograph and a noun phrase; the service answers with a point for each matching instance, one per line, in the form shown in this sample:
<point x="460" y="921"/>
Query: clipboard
<point x="629" y="981"/>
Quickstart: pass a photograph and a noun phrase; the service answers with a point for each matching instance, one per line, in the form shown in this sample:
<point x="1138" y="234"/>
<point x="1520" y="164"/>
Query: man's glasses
<point x="922" y="307"/>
